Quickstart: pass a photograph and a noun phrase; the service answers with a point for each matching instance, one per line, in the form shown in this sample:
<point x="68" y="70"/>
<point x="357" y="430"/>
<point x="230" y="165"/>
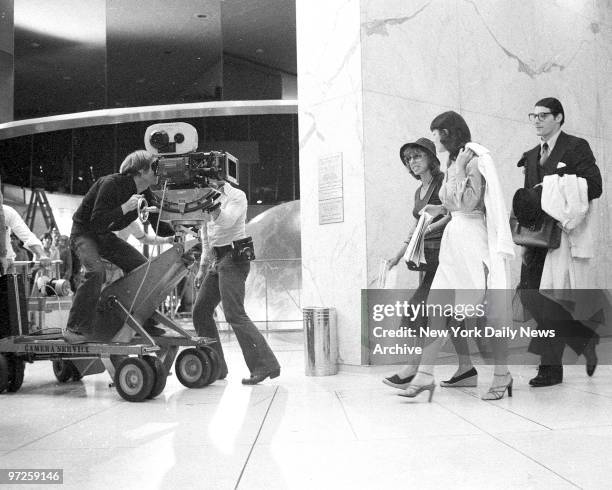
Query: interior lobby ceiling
<point x="107" y="53"/>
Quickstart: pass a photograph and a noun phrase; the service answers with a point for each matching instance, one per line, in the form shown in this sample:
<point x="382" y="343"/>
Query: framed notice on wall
<point x="331" y="192"/>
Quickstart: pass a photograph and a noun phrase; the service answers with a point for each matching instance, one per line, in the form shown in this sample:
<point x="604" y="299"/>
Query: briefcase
<point x="13" y="306"/>
<point x="545" y="234"/>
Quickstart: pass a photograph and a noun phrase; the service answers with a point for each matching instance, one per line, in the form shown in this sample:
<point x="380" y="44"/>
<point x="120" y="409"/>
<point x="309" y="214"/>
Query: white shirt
<point x="551" y="142"/>
<point x="16" y="225"/>
<point x="230" y="224"/>
<point x="134" y="228"/>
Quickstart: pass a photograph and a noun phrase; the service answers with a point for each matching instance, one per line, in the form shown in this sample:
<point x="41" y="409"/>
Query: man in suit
<point x="555" y="146"/>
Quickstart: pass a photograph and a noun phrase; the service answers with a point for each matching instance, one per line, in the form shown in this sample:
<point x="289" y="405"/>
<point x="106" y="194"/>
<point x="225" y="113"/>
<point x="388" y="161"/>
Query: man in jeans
<point x="109" y="205"/>
<point x="221" y="278"/>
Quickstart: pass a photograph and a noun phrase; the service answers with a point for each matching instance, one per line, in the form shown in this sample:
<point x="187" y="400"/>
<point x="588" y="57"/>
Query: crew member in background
<point x="15" y="224"/>
<point x="3" y="249"/>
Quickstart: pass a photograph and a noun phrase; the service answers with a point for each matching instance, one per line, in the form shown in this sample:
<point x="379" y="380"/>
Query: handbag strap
<point x="434" y="183"/>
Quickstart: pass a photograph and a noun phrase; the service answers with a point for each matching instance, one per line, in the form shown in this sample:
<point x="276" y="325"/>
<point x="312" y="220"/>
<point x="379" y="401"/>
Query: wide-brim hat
<point x="423" y="144"/>
<point x="527" y="206"/>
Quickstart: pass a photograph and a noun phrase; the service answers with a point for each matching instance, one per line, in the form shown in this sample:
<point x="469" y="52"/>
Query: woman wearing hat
<point x="474" y="252"/>
<point x="421" y="161"/>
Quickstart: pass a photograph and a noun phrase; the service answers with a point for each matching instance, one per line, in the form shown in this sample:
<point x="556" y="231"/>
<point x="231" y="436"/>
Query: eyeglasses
<point x="417" y="156"/>
<point x="540" y="116"/>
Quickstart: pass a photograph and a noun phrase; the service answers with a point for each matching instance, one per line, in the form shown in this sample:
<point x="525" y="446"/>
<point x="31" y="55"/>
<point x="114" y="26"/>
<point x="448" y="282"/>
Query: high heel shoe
<point x="412" y="391"/>
<point x="497" y="392"/>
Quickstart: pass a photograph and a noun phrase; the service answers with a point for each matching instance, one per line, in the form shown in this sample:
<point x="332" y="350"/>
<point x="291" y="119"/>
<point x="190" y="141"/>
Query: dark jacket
<point x="574" y="152"/>
<point x="100" y="211"/>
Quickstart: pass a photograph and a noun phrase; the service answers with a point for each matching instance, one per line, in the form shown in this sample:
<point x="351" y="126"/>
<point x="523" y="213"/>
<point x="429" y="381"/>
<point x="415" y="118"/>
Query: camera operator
<point x="221" y="278"/>
<point x="109" y="205"/>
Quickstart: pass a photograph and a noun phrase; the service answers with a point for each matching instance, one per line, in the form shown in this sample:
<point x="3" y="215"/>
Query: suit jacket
<point x="574" y="152"/>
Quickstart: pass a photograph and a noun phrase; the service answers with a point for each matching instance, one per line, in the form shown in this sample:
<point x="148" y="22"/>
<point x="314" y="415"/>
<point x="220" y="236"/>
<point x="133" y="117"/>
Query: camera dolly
<point x="138" y="363"/>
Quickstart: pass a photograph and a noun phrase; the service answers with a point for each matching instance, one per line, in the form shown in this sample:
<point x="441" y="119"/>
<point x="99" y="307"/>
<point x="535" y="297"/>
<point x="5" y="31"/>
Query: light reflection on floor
<point x="343" y="431"/>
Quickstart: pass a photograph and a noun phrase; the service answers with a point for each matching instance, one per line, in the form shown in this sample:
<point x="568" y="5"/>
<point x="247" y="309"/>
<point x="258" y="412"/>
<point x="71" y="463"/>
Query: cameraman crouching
<point x="109" y="205"/>
<point x="222" y="276"/>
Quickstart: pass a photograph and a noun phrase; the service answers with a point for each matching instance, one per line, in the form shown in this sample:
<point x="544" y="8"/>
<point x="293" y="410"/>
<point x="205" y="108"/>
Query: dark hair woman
<point x="474" y="250"/>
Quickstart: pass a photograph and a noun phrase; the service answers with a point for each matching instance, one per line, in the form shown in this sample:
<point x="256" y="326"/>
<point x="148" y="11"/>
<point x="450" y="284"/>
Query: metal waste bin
<point x="320" y="341"/>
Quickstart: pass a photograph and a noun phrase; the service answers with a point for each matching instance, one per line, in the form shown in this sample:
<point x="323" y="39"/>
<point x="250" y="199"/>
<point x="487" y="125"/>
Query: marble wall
<point x="489" y="60"/>
<point x="372" y="75"/>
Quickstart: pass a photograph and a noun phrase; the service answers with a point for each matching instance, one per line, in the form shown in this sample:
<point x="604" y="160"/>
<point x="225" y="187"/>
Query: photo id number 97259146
<point x="31" y="476"/>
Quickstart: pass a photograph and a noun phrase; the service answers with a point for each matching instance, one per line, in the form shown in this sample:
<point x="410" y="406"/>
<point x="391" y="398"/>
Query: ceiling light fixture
<point x="75" y="20"/>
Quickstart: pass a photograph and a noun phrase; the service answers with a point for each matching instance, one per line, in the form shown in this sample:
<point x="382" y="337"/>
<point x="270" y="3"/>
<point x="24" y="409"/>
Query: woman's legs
<point x="425" y="372"/>
<point x="463" y="353"/>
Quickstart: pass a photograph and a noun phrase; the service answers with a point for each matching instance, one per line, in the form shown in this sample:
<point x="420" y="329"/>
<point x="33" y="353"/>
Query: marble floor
<point x="343" y="431"/>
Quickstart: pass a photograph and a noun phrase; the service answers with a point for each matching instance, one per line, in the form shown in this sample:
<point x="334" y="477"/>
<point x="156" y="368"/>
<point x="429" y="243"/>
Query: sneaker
<point x="75" y="337"/>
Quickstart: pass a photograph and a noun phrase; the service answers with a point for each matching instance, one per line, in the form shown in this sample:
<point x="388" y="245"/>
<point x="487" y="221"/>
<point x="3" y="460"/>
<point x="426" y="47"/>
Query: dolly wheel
<point x="16" y="373"/>
<point x="63" y="370"/>
<point x="134" y="379"/>
<point x="193" y="368"/>
<point x="160" y="375"/>
<point x="216" y="363"/>
<point x="4" y="373"/>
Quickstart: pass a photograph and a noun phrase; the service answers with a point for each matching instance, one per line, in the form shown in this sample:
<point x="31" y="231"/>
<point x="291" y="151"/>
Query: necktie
<point x="543" y="154"/>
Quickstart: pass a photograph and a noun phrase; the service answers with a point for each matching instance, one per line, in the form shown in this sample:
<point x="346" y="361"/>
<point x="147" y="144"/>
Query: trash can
<point x="320" y="341"/>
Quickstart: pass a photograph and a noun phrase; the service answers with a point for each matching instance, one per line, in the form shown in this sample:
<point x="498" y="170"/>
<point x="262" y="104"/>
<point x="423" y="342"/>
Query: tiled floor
<point x="343" y="431"/>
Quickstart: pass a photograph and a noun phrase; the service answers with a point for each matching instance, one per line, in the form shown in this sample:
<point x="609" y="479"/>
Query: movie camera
<point x="184" y="174"/>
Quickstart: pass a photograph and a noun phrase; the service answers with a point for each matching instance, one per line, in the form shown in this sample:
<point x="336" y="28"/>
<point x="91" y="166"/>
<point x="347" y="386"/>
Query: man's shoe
<point x="75" y="337"/>
<point x="469" y="379"/>
<point x="396" y="382"/>
<point x="258" y="378"/>
<point x="154" y="331"/>
<point x="591" y="355"/>
<point x="547" y="376"/>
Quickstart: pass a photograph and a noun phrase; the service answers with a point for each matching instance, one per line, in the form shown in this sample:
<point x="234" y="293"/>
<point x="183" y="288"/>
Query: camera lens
<point x="159" y="139"/>
<point x="179" y="138"/>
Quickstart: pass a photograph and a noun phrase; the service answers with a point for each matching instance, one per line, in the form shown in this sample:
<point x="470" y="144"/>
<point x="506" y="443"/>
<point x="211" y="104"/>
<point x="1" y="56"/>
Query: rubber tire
<point x="216" y="363"/>
<point x="16" y="373"/>
<point x="63" y="370"/>
<point x="143" y="379"/>
<point x="160" y="375"/>
<point x="4" y="373"/>
<point x="193" y="368"/>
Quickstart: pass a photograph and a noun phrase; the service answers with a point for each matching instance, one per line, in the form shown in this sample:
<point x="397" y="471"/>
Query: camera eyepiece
<point x="179" y="138"/>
